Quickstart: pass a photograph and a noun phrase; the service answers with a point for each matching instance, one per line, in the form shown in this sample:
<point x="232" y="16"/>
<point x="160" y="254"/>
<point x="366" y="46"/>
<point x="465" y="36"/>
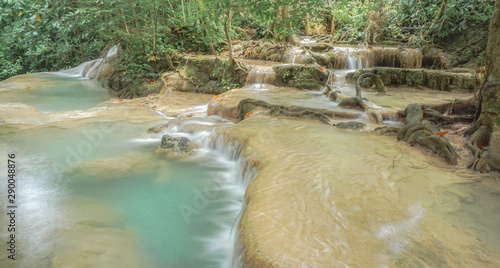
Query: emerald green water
<point x="92" y="192"/>
<point x="55" y="93"/>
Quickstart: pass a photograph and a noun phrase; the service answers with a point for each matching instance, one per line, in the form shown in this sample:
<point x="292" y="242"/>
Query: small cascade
<point x="91" y="69"/>
<point x="77" y="71"/>
<point x="307" y="41"/>
<point x="261" y="75"/>
<point x="93" y="65"/>
<point x="234" y="179"/>
<point x="245" y="172"/>
<point x="112" y="51"/>
<point x="356" y="58"/>
<point x="299" y="56"/>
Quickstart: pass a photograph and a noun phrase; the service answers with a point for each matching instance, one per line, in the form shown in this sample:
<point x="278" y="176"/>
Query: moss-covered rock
<point x="208" y="75"/>
<point x="308" y="77"/>
<point x="434" y="79"/>
<point x="261" y="50"/>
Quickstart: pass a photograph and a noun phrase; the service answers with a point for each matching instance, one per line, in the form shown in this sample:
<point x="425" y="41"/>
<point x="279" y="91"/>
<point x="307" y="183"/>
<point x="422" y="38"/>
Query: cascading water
<point x="237" y="173"/>
<point x="105" y="185"/>
<point x="297" y="55"/>
<point x="356" y="58"/>
<point x="88" y="69"/>
<point x="261" y="75"/>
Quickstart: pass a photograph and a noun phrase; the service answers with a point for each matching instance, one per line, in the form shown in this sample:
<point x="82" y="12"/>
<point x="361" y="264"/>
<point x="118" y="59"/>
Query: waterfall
<point x="90" y="69"/>
<point x="112" y="51"/>
<point x="77" y="71"/>
<point x="240" y="171"/>
<point x="245" y="172"/>
<point x="357" y="58"/>
<point x="297" y="55"/>
<point x="261" y="75"/>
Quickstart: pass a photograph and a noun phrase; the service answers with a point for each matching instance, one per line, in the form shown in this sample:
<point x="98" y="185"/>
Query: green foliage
<point x="350" y="17"/>
<point x="459" y="16"/>
<point x="286" y="16"/>
<point x="40" y="36"/>
<point x="226" y="84"/>
<point x="53" y="35"/>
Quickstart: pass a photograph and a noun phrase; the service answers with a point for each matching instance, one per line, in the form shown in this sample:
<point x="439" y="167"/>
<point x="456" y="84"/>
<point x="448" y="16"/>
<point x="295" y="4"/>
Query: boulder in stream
<point x="176" y="144"/>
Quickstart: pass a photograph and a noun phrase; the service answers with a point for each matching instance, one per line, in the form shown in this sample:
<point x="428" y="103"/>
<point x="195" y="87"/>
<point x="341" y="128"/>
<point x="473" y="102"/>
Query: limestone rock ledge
<point x="434" y="79"/>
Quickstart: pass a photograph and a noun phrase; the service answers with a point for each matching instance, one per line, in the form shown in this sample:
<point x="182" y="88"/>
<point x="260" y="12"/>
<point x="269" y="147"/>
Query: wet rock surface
<point x="157" y="129"/>
<point x="354" y="125"/>
<point x="300" y="76"/>
<point x="176" y="144"/>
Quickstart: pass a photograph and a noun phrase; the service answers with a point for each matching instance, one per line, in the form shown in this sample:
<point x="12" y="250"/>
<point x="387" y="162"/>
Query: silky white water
<point x="92" y="192"/>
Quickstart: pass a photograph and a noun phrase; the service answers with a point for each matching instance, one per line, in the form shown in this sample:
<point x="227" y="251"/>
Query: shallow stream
<point x="93" y="192"/>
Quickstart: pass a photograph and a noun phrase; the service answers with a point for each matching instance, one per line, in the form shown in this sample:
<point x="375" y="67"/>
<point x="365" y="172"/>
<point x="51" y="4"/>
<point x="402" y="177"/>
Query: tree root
<point x="462" y="107"/>
<point x="246" y="106"/>
<point x="369" y="107"/>
<point x="351" y="102"/>
<point x="437" y="117"/>
<point x="484" y="144"/>
<point x="423" y="133"/>
<point x="379" y="85"/>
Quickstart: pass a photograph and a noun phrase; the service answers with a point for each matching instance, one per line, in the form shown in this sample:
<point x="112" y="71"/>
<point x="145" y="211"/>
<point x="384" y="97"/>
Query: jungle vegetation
<point x="48" y="35"/>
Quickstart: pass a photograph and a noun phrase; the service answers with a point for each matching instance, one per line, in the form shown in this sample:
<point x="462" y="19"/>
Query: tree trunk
<point x="183" y="12"/>
<point x="308" y="26"/>
<point x="484" y="143"/>
<point x="124" y="21"/>
<point x="227" y="24"/>
<point x="132" y="6"/>
<point x="440" y="14"/>
<point x="332" y="25"/>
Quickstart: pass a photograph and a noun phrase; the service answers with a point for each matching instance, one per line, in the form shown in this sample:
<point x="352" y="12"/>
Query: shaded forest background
<point x="57" y="34"/>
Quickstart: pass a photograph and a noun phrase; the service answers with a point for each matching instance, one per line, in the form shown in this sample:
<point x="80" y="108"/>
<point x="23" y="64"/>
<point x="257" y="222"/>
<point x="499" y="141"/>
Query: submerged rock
<point x="176" y="145"/>
<point x="354" y="125"/>
<point x="157" y="129"/>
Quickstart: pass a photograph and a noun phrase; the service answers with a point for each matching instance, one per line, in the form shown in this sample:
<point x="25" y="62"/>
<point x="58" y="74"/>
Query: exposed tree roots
<point x="379" y="85"/>
<point x="424" y="133"/>
<point x="351" y="102"/>
<point x="246" y="106"/>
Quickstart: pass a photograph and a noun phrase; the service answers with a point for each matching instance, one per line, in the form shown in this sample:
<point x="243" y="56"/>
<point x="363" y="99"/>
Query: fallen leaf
<point x="249" y="113"/>
<point x="120" y="99"/>
<point x="442" y="133"/>
<point x="322" y="69"/>
<point x="216" y="97"/>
